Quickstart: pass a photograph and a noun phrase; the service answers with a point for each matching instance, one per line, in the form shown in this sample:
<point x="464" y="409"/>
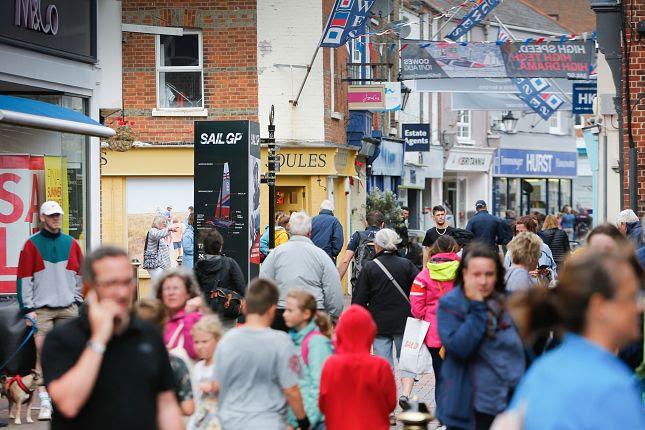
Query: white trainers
<point x="45" y="413"/>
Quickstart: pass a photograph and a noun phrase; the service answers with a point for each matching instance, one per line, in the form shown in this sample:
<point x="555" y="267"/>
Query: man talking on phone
<point x="107" y="369"/>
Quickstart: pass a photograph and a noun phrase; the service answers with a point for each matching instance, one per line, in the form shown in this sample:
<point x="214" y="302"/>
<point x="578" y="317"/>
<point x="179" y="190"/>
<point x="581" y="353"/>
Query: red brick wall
<point x="334" y="128"/>
<point x="635" y="13"/>
<point x="230" y="63"/>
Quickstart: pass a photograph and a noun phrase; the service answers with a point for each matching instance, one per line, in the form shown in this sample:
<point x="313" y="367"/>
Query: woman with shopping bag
<point x="432" y="283"/>
<point x="484" y="353"/>
<point x="383" y="287"/>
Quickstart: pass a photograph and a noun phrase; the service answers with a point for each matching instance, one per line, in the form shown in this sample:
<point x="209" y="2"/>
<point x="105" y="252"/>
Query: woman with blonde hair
<point x="557" y="240"/>
<point x="311" y="333"/>
<point x="156" y="252"/>
<point x="525" y="253"/>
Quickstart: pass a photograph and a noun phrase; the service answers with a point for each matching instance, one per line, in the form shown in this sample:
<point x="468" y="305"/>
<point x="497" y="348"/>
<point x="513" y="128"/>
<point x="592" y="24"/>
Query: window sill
<point x="465" y="142"/>
<point x="180" y="112"/>
<point x="337" y="115"/>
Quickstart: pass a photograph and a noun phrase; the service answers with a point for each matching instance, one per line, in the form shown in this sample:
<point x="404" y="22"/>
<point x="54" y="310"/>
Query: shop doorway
<point x="290" y="199"/>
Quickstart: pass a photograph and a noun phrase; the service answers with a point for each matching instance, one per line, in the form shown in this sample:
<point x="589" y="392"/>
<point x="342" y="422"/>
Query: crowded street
<point x="322" y="214"/>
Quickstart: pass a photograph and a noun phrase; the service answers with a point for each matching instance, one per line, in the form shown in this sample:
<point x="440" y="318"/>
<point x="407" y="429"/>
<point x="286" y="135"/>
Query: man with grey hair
<point x="326" y="230"/>
<point x="630" y="225"/>
<point x="301" y="264"/>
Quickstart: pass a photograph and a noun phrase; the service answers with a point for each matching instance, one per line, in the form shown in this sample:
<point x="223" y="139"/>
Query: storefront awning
<point x="36" y="114"/>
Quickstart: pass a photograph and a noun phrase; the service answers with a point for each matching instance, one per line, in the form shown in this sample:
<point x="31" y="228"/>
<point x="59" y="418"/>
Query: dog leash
<point x="34" y="329"/>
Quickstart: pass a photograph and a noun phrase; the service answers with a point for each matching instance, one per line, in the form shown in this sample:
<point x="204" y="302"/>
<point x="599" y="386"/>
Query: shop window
<point x="180" y="71"/>
<point x="464" y="126"/>
<point x="557" y="123"/>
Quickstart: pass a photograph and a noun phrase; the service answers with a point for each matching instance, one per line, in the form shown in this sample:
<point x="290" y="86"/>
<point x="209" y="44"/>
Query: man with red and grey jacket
<point x="49" y="282"/>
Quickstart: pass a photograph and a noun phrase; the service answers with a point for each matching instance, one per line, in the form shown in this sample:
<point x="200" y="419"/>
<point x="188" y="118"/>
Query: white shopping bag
<point x="415" y="356"/>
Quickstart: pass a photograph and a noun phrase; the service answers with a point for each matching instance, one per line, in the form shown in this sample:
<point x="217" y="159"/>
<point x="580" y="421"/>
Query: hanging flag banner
<point x="416" y="136"/>
<point x="473" y="18"/>
<point x="583" y="96"/>
<point x="492" y="102"/>
<point x="482" y="85"/>
<point x="572" y="60"/>
<point x="347" y="20"/>
<point x="531" y="93"/>
<point x="433" y="60"/>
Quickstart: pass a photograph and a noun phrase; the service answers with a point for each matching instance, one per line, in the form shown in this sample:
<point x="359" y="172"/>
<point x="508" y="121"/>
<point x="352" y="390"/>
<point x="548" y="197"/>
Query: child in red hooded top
<point x="352" y="376"/>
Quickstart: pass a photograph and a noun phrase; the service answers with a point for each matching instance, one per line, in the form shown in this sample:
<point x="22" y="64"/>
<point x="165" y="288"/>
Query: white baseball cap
<point x="50" y="208"/>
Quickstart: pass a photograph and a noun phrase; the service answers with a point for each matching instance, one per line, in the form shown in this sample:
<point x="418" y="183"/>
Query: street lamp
<point x="405" y="94"/>
<point x="510" y="122"/>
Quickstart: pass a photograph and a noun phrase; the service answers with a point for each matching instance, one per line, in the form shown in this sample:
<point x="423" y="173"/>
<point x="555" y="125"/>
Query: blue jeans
<point x="383" y="348"/>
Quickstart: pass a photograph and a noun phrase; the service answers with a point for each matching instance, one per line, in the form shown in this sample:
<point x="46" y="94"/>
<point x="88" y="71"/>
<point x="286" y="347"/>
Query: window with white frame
<point x="464" y="125"/>
<point x="180" y="71"/>
<point x="557" y="123"/>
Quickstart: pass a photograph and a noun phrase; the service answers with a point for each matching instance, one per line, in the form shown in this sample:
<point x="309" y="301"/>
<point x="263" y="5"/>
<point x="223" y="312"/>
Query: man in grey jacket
<point x="301" y="264"/>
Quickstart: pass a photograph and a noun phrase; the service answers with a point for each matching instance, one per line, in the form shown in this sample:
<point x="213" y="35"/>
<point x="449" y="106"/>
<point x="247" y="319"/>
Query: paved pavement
<point x="37" y="425"/>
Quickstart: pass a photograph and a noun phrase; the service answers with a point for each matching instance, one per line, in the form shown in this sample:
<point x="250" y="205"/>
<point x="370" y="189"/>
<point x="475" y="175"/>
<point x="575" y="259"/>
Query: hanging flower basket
<point x="124" y="138"/>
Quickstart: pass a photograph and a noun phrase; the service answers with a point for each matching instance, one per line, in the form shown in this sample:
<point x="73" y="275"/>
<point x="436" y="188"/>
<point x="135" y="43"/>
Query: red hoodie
<point x="357" y="389"/>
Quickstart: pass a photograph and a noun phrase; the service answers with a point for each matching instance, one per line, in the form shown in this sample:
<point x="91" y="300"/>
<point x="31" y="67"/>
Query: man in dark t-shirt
<point x="440" y="228"/>
<point x="107" y="369"/>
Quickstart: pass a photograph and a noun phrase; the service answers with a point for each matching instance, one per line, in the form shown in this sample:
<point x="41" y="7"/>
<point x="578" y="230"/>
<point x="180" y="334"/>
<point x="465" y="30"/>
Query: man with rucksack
<point x="361" y="246"/>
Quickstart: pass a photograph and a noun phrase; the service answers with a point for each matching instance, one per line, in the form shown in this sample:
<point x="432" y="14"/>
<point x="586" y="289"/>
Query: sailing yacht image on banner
<point x="227" y="189"/>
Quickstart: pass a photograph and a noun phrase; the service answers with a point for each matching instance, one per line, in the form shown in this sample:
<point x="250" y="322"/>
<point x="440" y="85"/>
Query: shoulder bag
<point x="150" y="257"/>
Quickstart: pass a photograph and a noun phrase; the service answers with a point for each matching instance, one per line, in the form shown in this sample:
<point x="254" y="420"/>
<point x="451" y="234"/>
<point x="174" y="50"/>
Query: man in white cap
<point x="49" y="282"/>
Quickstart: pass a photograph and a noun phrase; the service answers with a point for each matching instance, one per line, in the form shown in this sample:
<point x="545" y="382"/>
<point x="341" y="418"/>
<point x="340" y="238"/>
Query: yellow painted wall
<point x="150" y="161"/>
<point x="113" y="211"/>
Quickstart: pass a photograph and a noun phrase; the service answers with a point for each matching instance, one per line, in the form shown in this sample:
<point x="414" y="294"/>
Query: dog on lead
<point x="20" y="390"/>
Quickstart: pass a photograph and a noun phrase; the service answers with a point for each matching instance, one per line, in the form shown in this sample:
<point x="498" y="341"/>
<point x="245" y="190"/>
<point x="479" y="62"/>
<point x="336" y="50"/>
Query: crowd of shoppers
<point x="187" y="363"/>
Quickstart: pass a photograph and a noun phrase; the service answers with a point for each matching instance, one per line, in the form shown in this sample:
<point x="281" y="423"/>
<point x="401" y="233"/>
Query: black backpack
<point x="227" y="303"/>
<point x="364" y="252"/>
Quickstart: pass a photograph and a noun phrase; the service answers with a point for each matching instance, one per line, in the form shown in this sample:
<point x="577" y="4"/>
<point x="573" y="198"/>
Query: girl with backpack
<point x="311" y="332"/>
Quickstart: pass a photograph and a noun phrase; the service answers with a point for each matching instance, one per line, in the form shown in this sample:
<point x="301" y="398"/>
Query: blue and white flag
<point x="473" y="18"/>
<point x="347" y="20"/>
<point x="531" y="90"/>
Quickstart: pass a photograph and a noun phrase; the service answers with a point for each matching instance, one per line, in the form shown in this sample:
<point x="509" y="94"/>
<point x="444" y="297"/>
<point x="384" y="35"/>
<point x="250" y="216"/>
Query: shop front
<point x="466" y="179"/>
<point x="307" y="176"/>
<point x="49" y="146"/>
<point x="527" y="181"/>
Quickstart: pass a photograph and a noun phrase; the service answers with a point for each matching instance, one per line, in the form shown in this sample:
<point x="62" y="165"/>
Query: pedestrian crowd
<point x="519" y="330"/>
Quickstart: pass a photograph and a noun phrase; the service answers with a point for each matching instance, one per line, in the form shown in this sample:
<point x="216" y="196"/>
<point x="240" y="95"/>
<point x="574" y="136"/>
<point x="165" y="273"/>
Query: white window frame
<point x="557" y="123"/>
<point x="174" y="111"/>
<point x="465" y="138"/>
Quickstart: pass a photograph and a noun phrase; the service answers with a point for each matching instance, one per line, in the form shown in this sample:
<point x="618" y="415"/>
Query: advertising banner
<point x="433" y="60"/>
<point x="483" y="85"/>
<point x="389" y="161"/>
<point x="227" y="189"/>
<point x="539" y="164"/>
<point x="22" y="187"/>
<point x="583" y="96"/>
<point x="492" y="102"/>
<point x="416" y="136"/>
<point x="347" y="20"/>
<point x="56" y="186"/>
<point x="531" y="93"/>
<point x="473" y="18"/>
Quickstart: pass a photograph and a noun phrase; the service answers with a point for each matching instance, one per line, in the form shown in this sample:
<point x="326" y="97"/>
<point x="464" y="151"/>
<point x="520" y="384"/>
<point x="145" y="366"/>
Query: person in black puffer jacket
<point x="218" y="271"/>
<point x="556" y="239"/>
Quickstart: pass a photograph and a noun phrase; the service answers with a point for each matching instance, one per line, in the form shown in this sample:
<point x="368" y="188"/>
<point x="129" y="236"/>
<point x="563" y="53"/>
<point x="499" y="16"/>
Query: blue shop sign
<point x="536" y="164"/>
<point x="583" y="95"/>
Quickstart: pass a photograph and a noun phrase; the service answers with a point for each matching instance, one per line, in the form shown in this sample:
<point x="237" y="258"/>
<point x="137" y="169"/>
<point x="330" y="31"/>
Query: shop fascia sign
<point x="527" y="163"/>
<point x="29" y="14"/>
<point x="376" y="98"/>
<point x="309" y="161"/>
<point x="468" y="161"/>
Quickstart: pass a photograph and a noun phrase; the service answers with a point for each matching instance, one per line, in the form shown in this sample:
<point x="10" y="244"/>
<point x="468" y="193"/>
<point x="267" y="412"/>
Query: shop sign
<point x="583" y="97"/>
<point x="416" y="136"/>
<point x="366" y="97"/>
<point x="539" y="164"/>
<point x="227" y="188"/>
<point x="22" y="184"/>
<point x="468" y="162"/>
<point x="63" y="28"/>
<point x="389" y="161"/>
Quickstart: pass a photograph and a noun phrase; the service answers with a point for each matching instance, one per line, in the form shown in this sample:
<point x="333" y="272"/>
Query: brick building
<point x="193" y="60"/>
<point x="575" y="15"/>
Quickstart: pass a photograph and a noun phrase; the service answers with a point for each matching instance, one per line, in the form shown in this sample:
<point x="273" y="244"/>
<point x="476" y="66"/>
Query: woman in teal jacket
<point x="311" y="332"/>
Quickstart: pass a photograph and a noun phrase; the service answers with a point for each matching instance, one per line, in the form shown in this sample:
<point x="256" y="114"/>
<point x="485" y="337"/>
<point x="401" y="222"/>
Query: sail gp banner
<point x="432" y="60"/>
<point x="347" y="20"/>
<point x="539" y="164"/>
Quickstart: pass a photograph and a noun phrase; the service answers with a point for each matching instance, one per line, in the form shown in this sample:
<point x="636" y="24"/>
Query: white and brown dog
<point x="20" y="390"/>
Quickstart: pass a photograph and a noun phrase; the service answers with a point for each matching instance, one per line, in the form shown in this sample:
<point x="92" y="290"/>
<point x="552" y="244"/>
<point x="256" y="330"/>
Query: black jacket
<point x="219" y="267"/>
<point x="489" y="229"/>
<point x="558" y="241"/>
<point x="374" y="291"/>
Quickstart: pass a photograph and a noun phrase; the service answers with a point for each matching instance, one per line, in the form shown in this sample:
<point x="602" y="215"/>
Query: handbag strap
<point x="391" y="278"/>
<point x="176" y="335"/>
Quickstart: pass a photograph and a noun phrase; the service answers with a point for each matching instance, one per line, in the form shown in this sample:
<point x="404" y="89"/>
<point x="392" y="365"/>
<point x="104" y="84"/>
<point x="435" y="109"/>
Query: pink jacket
<point x="189" y="320"/>
<point x="430" y="285"/>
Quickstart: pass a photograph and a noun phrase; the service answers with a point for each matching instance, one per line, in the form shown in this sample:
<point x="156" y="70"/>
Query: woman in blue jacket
<point x="188" y="243"/>
<point x="484" y="353"/>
